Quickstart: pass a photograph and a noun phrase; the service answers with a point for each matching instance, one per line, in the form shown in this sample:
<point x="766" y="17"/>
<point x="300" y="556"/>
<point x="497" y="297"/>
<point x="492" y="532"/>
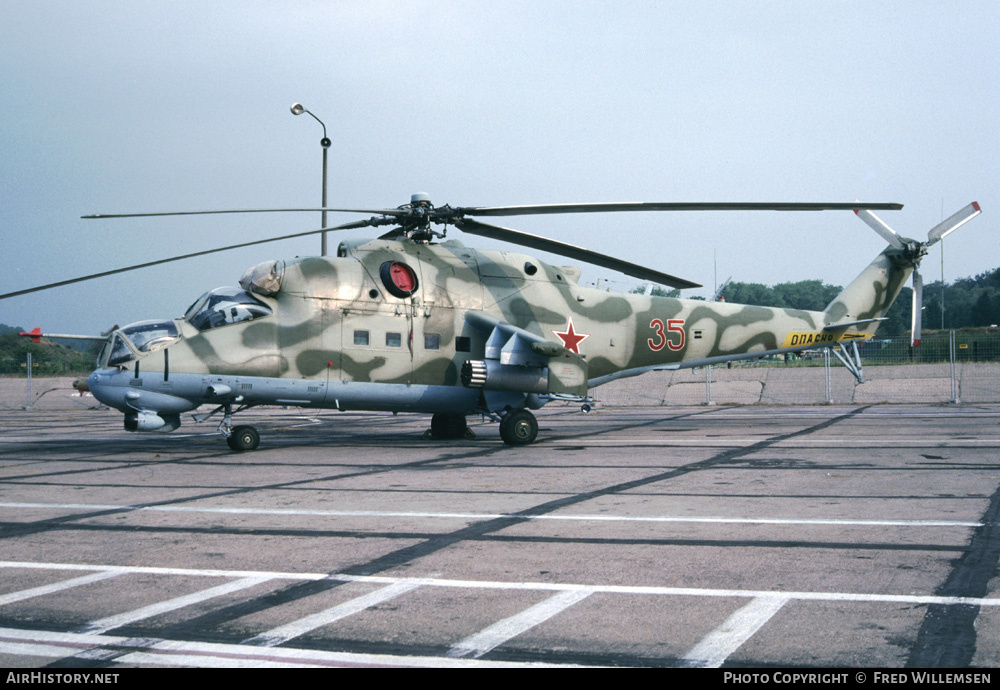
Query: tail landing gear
<point x="518" y="428"/>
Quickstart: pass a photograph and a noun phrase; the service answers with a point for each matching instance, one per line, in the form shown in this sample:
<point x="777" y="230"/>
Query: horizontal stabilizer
<point x="848" y="324"/>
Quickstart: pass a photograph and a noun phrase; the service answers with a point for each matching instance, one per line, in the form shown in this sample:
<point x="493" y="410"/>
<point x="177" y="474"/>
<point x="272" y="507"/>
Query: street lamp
<point x="298" y="109"/>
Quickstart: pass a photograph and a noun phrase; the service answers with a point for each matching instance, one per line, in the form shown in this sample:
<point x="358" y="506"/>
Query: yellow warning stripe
<point x="820" y="338"/>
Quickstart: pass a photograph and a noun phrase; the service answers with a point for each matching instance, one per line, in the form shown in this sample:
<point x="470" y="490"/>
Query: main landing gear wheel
<point x="518" y="428"/>
<point x="243" y="438"/>
<point x="448" y="426"/>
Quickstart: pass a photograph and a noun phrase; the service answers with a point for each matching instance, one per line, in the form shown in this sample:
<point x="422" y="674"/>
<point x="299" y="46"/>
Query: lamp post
<point x="298" y="109"/>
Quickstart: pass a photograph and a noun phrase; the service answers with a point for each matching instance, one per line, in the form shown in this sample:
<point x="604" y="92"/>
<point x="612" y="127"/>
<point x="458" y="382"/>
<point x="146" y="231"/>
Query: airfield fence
<point x="950" y="367"/>
<point x="947" y="367"/>
<point x="935" y="348"/>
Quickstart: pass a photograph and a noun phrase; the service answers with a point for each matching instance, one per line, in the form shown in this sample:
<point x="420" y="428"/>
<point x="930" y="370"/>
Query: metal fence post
<point x="826" y="372"/>
<point x="27" y="403"/>
<point x="708" y="385"/>
<point x="952" y="352"/>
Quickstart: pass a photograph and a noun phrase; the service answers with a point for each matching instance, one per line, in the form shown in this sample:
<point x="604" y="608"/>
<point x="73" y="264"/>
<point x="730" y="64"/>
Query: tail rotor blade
<point x="953" y="223"/>
<point x="918" y="304"/>
<point x="877" y="224"/>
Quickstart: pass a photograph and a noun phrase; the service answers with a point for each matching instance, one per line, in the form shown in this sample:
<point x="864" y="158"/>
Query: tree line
<point x="47" y="358"/>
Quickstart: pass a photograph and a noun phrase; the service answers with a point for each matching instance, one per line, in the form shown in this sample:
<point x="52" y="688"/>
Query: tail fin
<point x="866" y="301"/>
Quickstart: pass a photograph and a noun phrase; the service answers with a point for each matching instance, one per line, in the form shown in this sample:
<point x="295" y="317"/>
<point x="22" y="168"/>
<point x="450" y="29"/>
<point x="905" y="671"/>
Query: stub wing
<point x="518" y="360"/>
<point x="849" y="324"/>
<point x="512" y="345"/>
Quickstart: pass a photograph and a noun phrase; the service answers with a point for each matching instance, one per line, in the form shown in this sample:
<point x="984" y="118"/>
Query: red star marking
<point x="571" y="339"/>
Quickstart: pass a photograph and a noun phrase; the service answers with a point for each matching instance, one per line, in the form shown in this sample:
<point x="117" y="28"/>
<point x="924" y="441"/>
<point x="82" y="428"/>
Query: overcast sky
<point x="151" y="106"/>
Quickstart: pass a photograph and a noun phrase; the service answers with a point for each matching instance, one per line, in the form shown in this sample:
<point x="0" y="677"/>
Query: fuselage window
<point x="463" y="344"/>
<point x="361" y="338"/>
<point x="432" y="341"/>
<point x="393" y="340"/>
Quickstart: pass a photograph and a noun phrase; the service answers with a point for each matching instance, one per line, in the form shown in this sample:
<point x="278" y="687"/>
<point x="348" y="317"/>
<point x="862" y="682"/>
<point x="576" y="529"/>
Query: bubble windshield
<point x="224" y="306"/>
<point x="147" y="336"/>
<point x="143" y="336"/>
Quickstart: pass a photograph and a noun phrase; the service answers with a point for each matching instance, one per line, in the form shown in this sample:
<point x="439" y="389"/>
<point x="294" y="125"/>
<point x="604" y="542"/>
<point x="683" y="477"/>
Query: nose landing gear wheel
<point x="518" y="428"/>
<point x="243" y="438"/>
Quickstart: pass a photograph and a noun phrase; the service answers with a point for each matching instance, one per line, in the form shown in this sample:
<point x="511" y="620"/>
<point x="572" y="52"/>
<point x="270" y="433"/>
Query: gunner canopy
<point x="144" y="336"/>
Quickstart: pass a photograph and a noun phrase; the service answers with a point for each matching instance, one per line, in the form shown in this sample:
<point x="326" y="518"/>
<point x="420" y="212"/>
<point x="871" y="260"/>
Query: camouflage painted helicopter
<point x="407" y="323"/>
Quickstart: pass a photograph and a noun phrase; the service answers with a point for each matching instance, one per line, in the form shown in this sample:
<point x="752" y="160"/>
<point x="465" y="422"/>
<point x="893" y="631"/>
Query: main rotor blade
<point x="917" y="317"/>
<point x="614" y="207"/>
<point x="555" y="247"/>
<point x="447" y="214"/>
<point x="879" y="226"/>
<point x="347" y="226"/>
<point x="953" y="223"/>
<point x="381" y="211"/>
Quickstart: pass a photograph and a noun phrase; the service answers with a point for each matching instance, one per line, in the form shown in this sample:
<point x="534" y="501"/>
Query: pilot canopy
<point x="223" y="306"/>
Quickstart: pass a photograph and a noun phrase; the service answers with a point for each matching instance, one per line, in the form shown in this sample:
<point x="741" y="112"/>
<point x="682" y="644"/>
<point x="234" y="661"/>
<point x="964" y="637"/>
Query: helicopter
<point x="414" y="322"/>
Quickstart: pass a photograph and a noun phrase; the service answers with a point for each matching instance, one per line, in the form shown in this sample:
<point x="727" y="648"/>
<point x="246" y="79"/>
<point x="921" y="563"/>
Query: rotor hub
<point x="418" y="216"/>
<point x="915" y="251"/>
<point x="910" y="253"/>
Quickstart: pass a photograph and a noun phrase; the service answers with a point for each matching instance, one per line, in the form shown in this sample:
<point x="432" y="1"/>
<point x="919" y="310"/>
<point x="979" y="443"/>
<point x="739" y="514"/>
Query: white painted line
<point x="585" y="518"/>
<point x="157" y="570"/>
<point x="498" y="633"/>
<point x="523" y="586"/>
<point x="55" y="587"/>
<point x="29" y="649"/>
<point x="832" y="442"/>
<point x="716" y="647"/>
<point x="496" y="516"/>
<point x="218" y="660"/>
<point x="68" y="506"/>
<point x="111" y="622"/>
<point x="290" y="631"/>
<point x="213" y="655"/>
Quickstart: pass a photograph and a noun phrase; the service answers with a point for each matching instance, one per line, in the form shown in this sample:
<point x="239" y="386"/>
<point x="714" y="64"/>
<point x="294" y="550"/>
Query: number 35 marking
<point x="673" y="326"/>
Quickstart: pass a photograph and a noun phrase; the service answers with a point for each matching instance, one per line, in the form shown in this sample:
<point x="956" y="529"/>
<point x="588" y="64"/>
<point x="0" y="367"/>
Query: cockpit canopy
<point x="145" y="336"/>
<point x="223" y="306"/>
